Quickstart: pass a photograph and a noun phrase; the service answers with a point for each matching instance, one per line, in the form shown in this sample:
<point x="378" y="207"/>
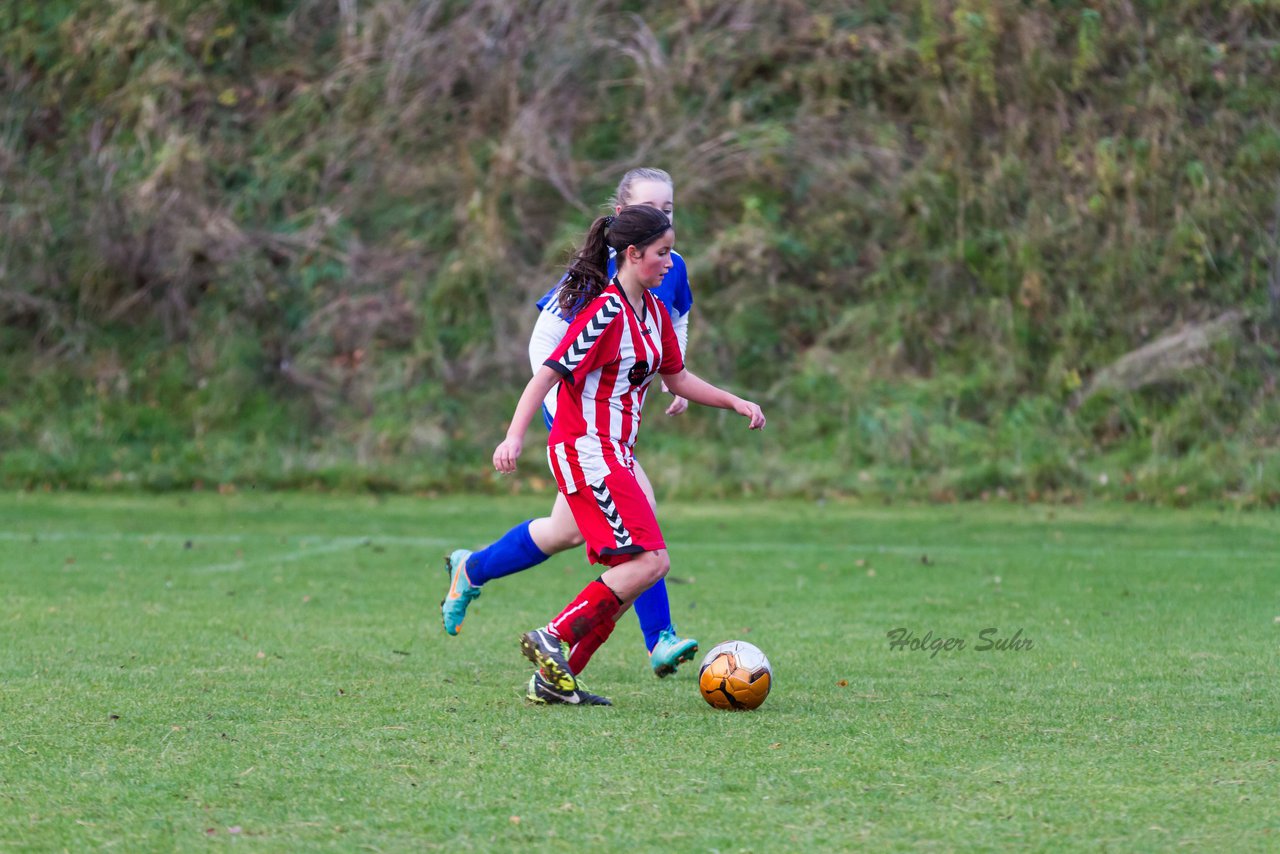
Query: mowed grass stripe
<point x="303" y="540"/>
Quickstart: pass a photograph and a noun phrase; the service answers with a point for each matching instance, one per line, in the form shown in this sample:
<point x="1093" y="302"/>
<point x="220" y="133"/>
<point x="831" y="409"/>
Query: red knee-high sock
<point x="582" y="651"/>
<point x="596" y="604"/>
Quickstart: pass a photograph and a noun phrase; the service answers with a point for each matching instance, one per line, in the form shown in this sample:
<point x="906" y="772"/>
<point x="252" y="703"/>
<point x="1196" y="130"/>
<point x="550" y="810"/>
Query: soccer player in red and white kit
<point x="620" y="339"/>
<point x="530" y="543"/>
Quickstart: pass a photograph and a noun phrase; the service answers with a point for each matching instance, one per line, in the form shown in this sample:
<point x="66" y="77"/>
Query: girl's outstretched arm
<point x="698" y="390"/>
<point x="506" y="454"/>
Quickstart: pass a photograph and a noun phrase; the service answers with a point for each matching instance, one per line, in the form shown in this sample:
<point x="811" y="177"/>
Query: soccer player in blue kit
<point x="533" y="541"/>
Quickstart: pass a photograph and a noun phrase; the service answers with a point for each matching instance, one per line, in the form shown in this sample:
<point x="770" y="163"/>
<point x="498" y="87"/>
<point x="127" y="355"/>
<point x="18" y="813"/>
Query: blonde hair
<point x="645" y="173"/>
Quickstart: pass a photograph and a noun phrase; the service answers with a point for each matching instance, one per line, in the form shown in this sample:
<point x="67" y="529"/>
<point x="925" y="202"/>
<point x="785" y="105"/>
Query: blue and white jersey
<point x="549" y="331"/>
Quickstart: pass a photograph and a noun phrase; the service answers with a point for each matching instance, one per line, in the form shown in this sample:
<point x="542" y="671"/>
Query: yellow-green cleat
<point x="453" y="608"/>
<point x="550" y="654"/>
<point x="541" y="692"/>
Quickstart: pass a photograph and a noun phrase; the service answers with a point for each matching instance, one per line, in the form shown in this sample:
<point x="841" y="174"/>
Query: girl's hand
<point x="678" y="405"/>
<point x="506" y="454"/>
<point x="750" y="410"/>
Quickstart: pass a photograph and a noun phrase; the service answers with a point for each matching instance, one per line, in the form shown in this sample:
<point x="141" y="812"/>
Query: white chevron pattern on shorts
<point x="620" y="534"/>
<point x="591" y="332"/>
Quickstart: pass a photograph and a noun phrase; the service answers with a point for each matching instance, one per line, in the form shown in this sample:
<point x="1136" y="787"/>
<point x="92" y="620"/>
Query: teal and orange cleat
<point x="543" y="693"/>
<point x="670" y="652"/>
<point x="453" y="608"/>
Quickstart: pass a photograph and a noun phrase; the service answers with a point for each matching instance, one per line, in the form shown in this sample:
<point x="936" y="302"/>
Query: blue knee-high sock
<point x="654" y="610"/>
<point x="512" y="552"/>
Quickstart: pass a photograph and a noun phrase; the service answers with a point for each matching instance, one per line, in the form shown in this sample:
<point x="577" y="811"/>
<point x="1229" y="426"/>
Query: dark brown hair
<point x="588" y="273"/>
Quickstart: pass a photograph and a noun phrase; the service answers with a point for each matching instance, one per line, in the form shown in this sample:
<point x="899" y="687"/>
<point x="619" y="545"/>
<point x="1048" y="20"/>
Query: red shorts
<point x="616" y="519"/>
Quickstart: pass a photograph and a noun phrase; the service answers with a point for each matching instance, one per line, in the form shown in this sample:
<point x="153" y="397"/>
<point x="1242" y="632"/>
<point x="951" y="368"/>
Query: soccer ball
<point x="735" y="675"/>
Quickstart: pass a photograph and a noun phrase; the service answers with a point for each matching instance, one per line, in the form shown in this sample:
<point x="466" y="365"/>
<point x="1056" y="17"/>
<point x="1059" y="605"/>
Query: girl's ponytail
<point x="588" y="273"/>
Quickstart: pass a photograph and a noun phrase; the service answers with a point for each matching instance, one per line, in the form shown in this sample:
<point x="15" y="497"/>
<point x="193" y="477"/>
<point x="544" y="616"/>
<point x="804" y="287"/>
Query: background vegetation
<point x="270" y="243"/>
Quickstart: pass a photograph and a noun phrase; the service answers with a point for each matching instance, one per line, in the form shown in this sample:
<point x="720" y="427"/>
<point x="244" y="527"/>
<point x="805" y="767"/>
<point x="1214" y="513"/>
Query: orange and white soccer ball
<point x="735" y="675"/>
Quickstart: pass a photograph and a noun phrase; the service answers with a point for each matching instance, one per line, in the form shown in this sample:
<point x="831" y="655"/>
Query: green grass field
<point x="269" y="670"/>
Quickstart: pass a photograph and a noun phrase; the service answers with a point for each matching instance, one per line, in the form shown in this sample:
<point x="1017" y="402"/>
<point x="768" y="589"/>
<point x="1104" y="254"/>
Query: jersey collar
<point x="643" y="315"/>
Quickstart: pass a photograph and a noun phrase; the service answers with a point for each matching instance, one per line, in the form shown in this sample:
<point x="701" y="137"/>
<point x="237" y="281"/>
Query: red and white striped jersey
<point x="606" y="362"/>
